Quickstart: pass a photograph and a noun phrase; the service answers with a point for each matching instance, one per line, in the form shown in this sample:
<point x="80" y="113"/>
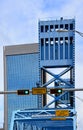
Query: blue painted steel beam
<point x="37" y="119"/>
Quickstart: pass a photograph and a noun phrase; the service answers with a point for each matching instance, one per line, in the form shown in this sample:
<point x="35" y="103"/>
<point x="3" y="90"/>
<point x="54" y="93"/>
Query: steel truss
<point x="40" y="119"/>
<point x="46" y="118"/>
<point x="62" y="83"/>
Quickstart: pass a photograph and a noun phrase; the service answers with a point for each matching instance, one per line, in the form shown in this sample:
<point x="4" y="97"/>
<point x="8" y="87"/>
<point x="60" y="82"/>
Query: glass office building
<point x="21" y="71"/>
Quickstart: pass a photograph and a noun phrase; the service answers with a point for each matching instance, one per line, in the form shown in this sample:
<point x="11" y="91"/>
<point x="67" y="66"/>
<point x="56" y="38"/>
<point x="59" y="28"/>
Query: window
<point x="66" y="26"/>
<point x="42" y="49"/>
<point x="51" y="28"/>
<point x="56" y="40"/>
<point x="66" y="39"/>
<point x="71" y="47"/>
<point x="61" y="40"/>
<point x="56" y="27"/>
<point x="71" y="40"/>
<point x="66" y="47"/>
<point x="46" y="49"/>
<point x="71" y="26"/>
<point x="42" y="41"/>
<point x="46" y="41"/>
<point x="51" y="41"/>
<point x="56" y="48"/>
<point x="51" y="48"/>
<point x="61" y="26"/>
<point x="46" y="28"/>
<point x="42" y="28"/>
<point x="61" y="47"/>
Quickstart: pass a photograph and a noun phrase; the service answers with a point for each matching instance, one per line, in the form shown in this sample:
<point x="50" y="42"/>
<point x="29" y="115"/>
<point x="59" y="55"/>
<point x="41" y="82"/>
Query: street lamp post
<point x="65" y="30"/>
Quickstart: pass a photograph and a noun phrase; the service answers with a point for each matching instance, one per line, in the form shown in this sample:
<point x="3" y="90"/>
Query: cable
<point x="79" y="98"/>
<point x="80" y="33"/>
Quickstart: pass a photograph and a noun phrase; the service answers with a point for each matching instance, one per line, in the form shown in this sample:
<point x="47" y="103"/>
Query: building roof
<point x="21" y="49"/>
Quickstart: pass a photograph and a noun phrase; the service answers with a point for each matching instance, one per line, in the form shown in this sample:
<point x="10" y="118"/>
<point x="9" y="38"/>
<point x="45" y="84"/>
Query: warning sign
<point x="39" y="90"/>
<point x="62" y="113"/>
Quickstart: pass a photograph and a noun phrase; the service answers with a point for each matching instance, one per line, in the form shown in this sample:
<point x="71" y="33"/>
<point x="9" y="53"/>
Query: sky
<point x="19" y="25"/>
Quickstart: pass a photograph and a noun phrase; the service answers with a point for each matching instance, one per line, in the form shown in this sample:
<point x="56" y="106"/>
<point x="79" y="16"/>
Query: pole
<point x="72" y="89"/>
<point x="48" y="90"/>
<point x="8" y="92"/>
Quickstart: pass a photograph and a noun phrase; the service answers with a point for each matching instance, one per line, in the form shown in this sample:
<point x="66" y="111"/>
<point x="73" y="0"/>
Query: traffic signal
<point x="56" y="91"/>
<point x="23" y="92"/>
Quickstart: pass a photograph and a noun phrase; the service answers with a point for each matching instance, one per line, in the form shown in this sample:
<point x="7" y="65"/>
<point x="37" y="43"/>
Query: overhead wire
<point x="79" y="98"/>
<point x="80" y="33"/>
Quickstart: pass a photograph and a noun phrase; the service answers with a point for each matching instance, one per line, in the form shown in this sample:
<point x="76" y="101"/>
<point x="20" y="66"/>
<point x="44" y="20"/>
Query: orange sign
<point x="41" y="90"/>
<point x="62" y="113"/>
<point x="57" y="118"/>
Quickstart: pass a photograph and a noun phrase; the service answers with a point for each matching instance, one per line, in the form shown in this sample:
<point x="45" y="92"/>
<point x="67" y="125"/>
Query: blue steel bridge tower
<point x="56" y="70"/>
<point x="57" y="58"/>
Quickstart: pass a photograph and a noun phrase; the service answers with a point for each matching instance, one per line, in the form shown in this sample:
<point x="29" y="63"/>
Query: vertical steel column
<point x="43" y="75"/>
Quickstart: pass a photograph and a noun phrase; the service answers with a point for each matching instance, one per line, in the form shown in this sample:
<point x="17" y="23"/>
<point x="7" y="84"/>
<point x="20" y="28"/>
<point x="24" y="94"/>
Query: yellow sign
<point x="62" y="113"/>
<point x="56" y="118"/>
<point x="38" y="90"/>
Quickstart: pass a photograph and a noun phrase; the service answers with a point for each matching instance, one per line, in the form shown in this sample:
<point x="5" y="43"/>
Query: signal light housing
<point x="57" y="91"/>
<point x="23" y="92"/>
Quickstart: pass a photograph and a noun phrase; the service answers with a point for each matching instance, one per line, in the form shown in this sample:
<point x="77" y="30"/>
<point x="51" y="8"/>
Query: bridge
<point x="56" y="59"/>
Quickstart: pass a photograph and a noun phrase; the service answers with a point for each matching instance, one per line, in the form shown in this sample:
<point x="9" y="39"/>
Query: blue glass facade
<point x="22" y="73"/>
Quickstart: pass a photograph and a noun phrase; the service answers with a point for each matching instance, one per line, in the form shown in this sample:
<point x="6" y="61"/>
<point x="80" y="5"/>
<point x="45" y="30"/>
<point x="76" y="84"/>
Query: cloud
<point x="19" y="19"/>
<point x="19" y="24"/>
